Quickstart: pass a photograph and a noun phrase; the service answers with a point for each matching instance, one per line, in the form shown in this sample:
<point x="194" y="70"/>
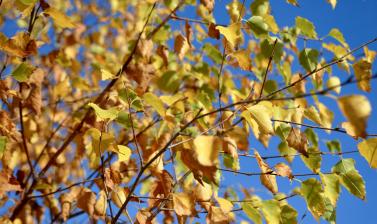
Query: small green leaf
<point x="350" y="177"/>
<point x="333" y="146"/>
<point x="288" y="215"/>
<point x="368" y="149"/>
<point x="258" y="25"/>
<point x="286" y="151"/>
<point x="155" y="102"/>
<point x="213" y="53"/>
<point x="23" y="72"/>
<point x="129" y="95"/>
<point x="313" y="161"/>
<point x="309" y="59"/>
<point x="331" y="187"/>
<point x="271" y="211"/>
<point x="306" y="27"/>
<point x="3" y="142"/>
<point x="102" y="114"/>
<point x="252" y="213"/>
<point x="311" y="190"/>
<point x="260" y="7"/>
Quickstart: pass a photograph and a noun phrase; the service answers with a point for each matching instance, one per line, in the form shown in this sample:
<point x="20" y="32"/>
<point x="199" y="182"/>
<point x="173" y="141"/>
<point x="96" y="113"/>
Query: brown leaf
<point x="144" y="48"/>
<point x="8" y="183"/>
<point x="188" y="31"/>
<point x="268" y="180"/>
<point x="283" y="170"/>
<point x="181" y="46"/>
<point x="163" y="52"/>
<point x="20" y="45"/>
<point x="213" y="32"/>
<point x="34" y="101"/>
<point x="298" y="141"/>
<point x="209" y="4"/>
<point x="86" y="200"/>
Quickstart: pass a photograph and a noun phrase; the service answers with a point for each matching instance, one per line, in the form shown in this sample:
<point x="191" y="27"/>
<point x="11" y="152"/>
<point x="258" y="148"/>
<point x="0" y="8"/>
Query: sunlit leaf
<point x="306" y="27"/>
<point x="59" y="18"/>
<point x="356" y="108"/>
<point x="311" y="190"/>
<point x="350" y="177"/>
<point x="368" y="149"/>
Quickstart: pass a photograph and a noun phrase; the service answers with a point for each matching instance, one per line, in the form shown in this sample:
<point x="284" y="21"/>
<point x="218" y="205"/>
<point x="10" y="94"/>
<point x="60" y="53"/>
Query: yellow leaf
<point x="312" y="114"/>
<point x="356" y="108"/>
<point x="118" y="196"/>
<point x="232" y="33"/>
<point x="261" y="114"/>
<point x="103" y="114"/>
<point x="183" y="204"/>
<point x="101" y="205"/>
<point x="363" y="72"/>
<point x="243" y="59"/>
<point x="334" y="83"/>
<point x="105" y="74"/>
<point x="268" y="180"/>
<point x="368" y="149"/>
<point x="59" y="18"/>
<point x="124" y="153"/>
<point x="333" y="3"/>
<point x="207" y="149"/>
<point x="225" y="205"/>
<point x="155" y="102"/>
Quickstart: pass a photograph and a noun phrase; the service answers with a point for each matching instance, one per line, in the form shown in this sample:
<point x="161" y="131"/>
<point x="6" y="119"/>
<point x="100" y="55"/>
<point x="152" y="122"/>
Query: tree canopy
<point x="151" y="111"/>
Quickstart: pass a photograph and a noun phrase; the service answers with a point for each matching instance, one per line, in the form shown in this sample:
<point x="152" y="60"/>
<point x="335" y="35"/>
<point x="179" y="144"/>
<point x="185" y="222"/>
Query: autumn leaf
<point x="297" y="140"/>
<point x="183" y="204"/>
<point x="232" y="33"/>
<point x="356" y="108"/>
<point x="181" y="46"/>
<point x="59" y="18"/>
<point x="283" y="170"/>
<point x="368" y="149"/>
<point x="267" y="178"/>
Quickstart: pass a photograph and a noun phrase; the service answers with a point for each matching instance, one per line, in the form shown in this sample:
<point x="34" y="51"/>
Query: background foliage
<point x="144" y="111"/>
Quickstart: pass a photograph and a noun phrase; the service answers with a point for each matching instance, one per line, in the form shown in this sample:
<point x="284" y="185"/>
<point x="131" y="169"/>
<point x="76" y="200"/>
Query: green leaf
<point x="333" y="146"/>
<point x="3" y="143"/>
<point x="337" y="35"/>
<point x="313" y="161"/>
<point x="312" y="136"/>
<point x="330" y="212"/>
<point x="260" y="7"/>
<point x="286" y="151"/>
<point x="309" y="59"/>
<point x="102" y="114"/>
<point x="306" y="27"/>
<point x="252" y="213"/>
<point x="368" y="149"/>
<point x="271" y="211"/>
<point x="155" y="102"/>
<point x="311" y="190"/>
<point x="288" y="215"/>
<point x="331" y="187"/>
<point x="350" y="177"/>
<point x="124" y="119"/>
<point x="23" y="72"/>
<point x="213" y="53"/>
<point x="129" y="94"/>
<point x="258" y="25"/>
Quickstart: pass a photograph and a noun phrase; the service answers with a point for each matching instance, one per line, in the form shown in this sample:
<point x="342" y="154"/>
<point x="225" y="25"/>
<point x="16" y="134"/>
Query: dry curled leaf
<point x="297" y="140"/>
<point x="268" y="180"/>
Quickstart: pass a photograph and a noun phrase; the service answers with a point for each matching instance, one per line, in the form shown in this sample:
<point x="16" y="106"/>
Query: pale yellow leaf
<point x="183" y="204"/>
<point x="59" y="18"/>
<point x="356" y="108"/>
<point x="231" y="33"/>
<point x="368" y="149"/>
